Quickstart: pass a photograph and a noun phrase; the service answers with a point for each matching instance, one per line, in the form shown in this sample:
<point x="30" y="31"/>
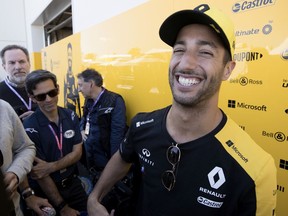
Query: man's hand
<point x="41" y="169"/>
<point x="11" y="182"/>
<point x="36" y="203"/>
<point x="84" y="136"/>
<point x="25" y="115"/>
<point x="67" y="211"/>
<point x="97" y="209"/>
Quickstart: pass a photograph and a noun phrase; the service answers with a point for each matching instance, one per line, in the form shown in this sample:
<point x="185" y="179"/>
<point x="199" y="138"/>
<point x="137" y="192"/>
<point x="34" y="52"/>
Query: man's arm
<point x="115" y="170"/>
<point x="50" y="189"/>
<point x="43" y="168"/>
<point x="33" y="202"/>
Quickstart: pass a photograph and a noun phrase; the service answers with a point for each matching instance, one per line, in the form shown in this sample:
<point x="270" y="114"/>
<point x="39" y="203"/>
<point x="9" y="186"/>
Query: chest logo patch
<point x="216" y="177"/>
<point x="69" y="134"/>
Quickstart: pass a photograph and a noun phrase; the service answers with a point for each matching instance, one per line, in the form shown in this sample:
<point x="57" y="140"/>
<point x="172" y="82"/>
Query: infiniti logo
<point x="146" y="152"/>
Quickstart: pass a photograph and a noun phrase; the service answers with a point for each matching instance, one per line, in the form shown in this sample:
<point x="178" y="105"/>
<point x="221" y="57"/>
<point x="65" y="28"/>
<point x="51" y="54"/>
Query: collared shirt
<point x="37" y="128"/>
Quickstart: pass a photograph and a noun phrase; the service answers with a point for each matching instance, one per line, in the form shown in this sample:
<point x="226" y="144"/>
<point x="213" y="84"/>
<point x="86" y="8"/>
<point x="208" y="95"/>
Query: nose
<point x="48" y="98"/>
<point x="188" y="61"/>
<point x="17" y="65"/>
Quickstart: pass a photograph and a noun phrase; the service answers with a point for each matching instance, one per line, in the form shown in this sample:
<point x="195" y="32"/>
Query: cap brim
<point x="173" y="24"/>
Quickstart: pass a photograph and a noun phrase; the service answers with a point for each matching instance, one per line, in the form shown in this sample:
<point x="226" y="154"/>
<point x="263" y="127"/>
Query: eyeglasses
<point x="42" y="97"/>
<point x="173" y="155"/>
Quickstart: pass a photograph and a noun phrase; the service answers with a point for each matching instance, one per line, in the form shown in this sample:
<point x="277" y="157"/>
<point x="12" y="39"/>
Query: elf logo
<point x="244" y="6"/>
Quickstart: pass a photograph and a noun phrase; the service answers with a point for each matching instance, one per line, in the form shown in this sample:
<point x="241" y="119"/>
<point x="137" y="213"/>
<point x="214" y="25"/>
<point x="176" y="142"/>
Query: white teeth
<point x="188" y="82"/>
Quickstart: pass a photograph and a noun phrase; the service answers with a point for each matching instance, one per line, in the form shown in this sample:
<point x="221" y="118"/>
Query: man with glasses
<point x="56" y="134"/>
<point x="194" y="160"/>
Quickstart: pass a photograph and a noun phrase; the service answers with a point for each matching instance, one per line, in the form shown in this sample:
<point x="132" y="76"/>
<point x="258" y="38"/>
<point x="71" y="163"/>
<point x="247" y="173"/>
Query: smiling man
<point x="194" y="159"/>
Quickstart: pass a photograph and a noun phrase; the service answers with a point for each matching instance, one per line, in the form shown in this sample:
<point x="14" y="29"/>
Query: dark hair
<point x="36" y="77"/>
<point x="13" y="47"/>
<point x="91" y="74"/>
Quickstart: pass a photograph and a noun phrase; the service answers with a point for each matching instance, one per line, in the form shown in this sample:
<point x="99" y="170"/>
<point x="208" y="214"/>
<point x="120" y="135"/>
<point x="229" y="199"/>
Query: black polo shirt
<point x="37" y="128"/>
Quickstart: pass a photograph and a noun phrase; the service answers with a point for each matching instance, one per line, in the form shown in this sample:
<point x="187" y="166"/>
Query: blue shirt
<point x="37" y="128"/>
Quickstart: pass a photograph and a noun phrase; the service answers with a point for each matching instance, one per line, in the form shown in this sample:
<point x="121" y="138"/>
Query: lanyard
<point x="19" y="96"/>
<point x="59" y="142"/>
<point x="95" y="102"/>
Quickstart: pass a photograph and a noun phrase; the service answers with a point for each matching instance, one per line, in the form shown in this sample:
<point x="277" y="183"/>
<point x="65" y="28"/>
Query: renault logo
<point x="216" y="177"/>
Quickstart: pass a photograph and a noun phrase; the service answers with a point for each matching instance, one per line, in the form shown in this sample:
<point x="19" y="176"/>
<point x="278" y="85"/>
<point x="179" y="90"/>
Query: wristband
<point x="27" y="193"/>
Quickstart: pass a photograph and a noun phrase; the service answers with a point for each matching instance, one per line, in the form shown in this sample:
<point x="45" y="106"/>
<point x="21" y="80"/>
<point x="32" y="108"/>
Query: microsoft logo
<point x="233" y="104"/>
<point x="283" y="164"/>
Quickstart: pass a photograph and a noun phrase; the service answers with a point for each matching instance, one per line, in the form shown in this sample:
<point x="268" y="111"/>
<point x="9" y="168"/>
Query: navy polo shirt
<point x="38" y="129"/>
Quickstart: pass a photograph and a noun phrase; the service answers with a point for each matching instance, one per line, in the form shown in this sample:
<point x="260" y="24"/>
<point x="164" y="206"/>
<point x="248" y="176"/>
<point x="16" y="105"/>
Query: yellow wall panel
<point x="128" y="52"/>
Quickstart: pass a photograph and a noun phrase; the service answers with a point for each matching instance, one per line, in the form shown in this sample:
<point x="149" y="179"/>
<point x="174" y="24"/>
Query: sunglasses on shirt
<point x="52" y="93"/>
<point x="173" y="155"/>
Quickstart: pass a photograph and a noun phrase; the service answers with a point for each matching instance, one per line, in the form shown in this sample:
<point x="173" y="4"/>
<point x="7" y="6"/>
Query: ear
<point x="230" y="65"/>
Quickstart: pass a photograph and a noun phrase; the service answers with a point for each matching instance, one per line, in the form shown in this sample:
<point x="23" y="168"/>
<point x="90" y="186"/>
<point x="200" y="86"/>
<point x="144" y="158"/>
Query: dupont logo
<point x="247" y="56"/>
<point x="233" y="104"/>
<point x="244" y="6"/>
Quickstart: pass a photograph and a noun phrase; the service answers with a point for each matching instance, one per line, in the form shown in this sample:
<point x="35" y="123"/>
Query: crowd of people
<point x="182" y="154"/>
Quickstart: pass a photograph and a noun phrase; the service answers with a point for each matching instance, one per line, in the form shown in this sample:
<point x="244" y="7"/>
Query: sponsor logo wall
<point x="256" y="95"/>
<point x="134" y="62"/>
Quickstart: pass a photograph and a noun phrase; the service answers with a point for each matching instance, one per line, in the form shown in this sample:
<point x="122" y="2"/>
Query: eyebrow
<point x="199" y="43"/>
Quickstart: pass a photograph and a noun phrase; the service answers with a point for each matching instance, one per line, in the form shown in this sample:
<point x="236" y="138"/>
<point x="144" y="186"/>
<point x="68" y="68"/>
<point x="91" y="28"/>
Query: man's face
<point x="84" y="87"/>
<point x="16" y="65"/>
<point x="197" y="67"/>
<point x="50" y="103"/>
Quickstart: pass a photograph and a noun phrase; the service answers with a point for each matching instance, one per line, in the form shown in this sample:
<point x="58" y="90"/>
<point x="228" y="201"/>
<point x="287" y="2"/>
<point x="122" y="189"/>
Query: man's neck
<point x="97" y="93"/>
<point x="185" y="125"/>
<point x="52" y="116"/>
<point x="16" y="85"/>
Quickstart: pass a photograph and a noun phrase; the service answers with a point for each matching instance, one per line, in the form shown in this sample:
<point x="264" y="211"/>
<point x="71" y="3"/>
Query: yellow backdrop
<point x="127" y="51"/>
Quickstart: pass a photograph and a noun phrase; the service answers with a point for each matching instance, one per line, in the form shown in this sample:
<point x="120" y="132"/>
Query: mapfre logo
<point x="244" y="6"/>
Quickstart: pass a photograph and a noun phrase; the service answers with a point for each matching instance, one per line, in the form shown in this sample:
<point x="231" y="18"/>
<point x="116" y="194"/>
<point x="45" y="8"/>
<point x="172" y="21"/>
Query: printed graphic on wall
<point x="128" y="52"/>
